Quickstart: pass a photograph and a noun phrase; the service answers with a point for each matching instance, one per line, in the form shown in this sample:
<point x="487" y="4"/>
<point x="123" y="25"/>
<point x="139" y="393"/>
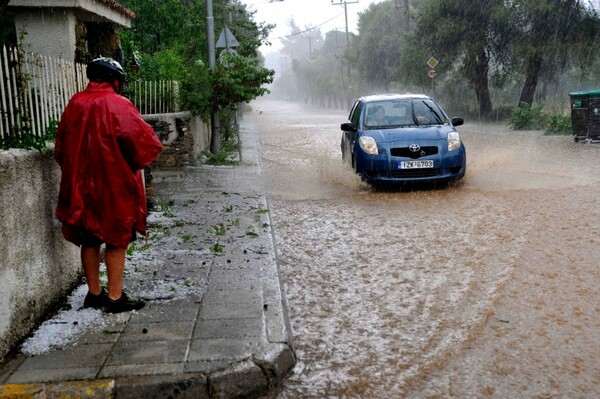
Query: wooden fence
<point x="35" y="89"/>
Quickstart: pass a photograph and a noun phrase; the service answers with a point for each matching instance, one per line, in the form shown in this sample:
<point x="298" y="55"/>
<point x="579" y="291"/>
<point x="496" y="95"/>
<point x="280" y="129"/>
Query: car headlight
<point x="453" y="141"/>
<point x="368" y="145"/>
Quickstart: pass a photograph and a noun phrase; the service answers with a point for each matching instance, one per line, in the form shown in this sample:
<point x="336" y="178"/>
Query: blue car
<point x="402" y="138"/>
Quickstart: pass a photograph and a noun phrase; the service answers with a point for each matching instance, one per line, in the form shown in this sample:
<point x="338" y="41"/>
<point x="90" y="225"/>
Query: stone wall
<point x="183" y="136"/>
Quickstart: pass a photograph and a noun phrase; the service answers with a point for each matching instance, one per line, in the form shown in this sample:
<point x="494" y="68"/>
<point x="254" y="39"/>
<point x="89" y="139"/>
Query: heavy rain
<point x="484" y="289"/>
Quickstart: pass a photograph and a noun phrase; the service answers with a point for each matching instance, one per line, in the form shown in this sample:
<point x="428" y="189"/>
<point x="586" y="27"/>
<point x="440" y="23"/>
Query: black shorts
<point x="85" y="238"/>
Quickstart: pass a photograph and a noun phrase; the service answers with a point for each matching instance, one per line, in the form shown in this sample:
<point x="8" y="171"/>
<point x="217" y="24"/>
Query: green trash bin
<point x="585" y="115"/>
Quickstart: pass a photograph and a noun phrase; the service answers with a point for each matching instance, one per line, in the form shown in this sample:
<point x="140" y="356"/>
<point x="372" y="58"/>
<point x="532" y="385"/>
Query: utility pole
<point x="345" y="3"/>
<point x="215" y="142"/>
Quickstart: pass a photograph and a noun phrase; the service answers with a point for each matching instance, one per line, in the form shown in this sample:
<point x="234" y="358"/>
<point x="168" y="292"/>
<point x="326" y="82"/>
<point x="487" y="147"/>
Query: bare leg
<point x="115" y="266"/>
<point x="90" y="260"/>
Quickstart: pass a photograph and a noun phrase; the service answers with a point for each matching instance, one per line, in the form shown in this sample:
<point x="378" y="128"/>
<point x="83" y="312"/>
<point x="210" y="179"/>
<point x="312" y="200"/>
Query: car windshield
<point x="389" y="114"/>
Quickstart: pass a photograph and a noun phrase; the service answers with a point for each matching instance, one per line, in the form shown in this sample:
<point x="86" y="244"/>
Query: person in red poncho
<point x="102" y="147"/>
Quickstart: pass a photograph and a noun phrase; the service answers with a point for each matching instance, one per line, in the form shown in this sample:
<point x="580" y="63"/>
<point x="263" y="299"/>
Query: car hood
<point x="411" y="133"/>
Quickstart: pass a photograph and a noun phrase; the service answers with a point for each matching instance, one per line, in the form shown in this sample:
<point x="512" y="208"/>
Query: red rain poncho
<point x="102" y="145"/>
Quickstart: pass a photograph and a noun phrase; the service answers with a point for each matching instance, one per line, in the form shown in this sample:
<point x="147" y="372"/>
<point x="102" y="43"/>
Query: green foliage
<point x="133" y="248"/>
<point x="223" y="157"/>
<point x="533" y="118"/>
<point x="525" y="117"/>
<point x="165" y="64"/>
<point x="195" y="92"/>
<point x="217" y="248"/>
<point x="167" y="209"/>
<point x="27" y="140"/>
<point x="168" y="40"/>
<point x="227" y="155"/>
<point x="237" y="79"/>
<point x="487" y="50"/>
<point x="319" y="71"/>
<point x="188" y="282"/>
<point x="376" y="52"/>
<point x="164" y="231"/>
<point x="219" y="230"/>
<point x="558" y="124"/>
<point x="188" y="237"/>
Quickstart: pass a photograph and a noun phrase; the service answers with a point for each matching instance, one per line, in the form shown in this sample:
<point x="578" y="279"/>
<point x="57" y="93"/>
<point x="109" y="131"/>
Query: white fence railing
<point x="154" y="97"/>
<point x="35" y="89"/>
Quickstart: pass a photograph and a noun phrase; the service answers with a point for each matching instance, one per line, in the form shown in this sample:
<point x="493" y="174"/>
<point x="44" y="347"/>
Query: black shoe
<point x="123" y="304"/>
<point x="95" y="301"/>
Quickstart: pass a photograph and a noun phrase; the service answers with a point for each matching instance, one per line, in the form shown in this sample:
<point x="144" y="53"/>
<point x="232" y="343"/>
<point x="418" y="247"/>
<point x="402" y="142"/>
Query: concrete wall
<point x="37" y="266"/>
<point x="49" y="31"/>
<point x="50" y="25"/>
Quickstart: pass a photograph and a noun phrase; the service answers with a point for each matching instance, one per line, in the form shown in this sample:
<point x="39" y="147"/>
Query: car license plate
<point x="415" y="164"/>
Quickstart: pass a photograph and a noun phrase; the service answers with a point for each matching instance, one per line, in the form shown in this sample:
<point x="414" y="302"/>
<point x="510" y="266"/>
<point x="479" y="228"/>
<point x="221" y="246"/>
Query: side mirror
<point x="347" y="127"/>
<point x="457" y="121"/>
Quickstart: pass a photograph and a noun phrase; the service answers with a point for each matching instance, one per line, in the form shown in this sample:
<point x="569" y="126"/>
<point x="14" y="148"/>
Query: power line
<point x="306" y="30"/>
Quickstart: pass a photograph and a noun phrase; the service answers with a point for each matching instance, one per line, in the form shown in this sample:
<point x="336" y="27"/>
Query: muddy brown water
<point x="488" y="288"/>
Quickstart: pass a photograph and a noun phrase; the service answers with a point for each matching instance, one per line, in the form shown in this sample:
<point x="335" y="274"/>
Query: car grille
<point x="407" y="153"/>
<point x="415" y="173"/>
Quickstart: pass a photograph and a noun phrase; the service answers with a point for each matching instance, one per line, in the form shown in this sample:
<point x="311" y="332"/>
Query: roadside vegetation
<point x="168" y="41"/>
<point x="525" y="117"/>
<point x="502" y="61"/>
<point x="494" y="60"/>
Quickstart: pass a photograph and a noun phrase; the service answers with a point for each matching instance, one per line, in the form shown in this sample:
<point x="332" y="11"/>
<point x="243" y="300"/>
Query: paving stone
<point x="160" y="331"/>
<point x="229" y="328"/>
<point x="148" y="352"/>
<point x="224" y="348"/>
<point x="25" y="376"/>
<point x="77" y="356"/>
<point x="229" y="336"/>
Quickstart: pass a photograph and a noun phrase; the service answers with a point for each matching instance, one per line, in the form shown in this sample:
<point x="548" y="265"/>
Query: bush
<point x="558" y="124"/>
<point x="525" y="117"/>
<point x="27" y="140"/>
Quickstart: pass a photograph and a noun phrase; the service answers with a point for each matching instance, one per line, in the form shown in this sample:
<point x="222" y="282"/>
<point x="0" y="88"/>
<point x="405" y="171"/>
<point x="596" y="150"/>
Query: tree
<point x="376" y="51"/>
<point x="302" y="47"/>
<point x="548" y="32"/>
<point x="237" y="79"/>
<point x="461" y="32"/>
<point x="169" y="39"/>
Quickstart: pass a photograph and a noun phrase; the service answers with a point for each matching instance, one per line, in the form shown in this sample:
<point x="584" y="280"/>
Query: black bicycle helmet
<point x="104" y="69"/>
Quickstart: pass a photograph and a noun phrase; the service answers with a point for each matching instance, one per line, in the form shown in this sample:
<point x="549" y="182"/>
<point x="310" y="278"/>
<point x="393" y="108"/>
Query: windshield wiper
<point x="435" y="114"/>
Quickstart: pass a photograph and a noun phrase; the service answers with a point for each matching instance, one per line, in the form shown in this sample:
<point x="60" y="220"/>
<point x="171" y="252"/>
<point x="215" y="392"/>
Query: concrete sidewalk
<point x="231" y="338"/>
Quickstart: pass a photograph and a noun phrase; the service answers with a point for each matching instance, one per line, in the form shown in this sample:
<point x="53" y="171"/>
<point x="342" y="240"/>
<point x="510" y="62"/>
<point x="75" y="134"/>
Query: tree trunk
<point x="532" y="74"/>
<point x="479" y="78"/>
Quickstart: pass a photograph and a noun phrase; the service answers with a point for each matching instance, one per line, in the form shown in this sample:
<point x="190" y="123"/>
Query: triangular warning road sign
<point x="226" y="39"/>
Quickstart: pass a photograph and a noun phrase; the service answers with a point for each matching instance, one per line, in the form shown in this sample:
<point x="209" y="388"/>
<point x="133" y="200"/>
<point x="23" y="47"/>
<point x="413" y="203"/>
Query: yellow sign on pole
<point x="432" y="62"/>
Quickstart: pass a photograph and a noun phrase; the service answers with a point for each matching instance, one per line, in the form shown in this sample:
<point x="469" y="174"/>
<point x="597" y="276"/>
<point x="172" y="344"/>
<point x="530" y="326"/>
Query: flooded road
<point x="489" y="288"/>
